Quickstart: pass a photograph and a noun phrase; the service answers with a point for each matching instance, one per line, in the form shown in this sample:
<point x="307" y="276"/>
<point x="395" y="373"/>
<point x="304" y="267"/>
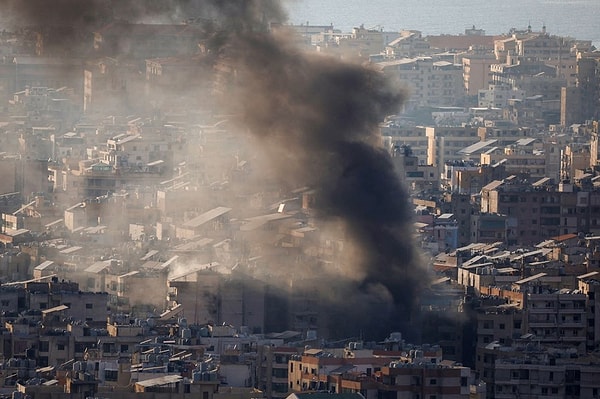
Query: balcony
<point x="573" y="338"/>
<point x="541" y="310"/>
<point x="571" y="310"/>
<point x="572" y="324"/>
<point x="542" y="324"/>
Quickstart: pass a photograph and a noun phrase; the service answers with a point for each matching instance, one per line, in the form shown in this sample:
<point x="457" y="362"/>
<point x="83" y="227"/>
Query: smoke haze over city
<point x="313" y="120"/>
<point x="260" y="198"/>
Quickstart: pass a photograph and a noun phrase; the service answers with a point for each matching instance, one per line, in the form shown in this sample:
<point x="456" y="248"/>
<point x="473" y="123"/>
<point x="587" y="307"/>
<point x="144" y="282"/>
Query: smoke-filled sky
<point x="316" y="120"/>
<point x="79" y="12"/>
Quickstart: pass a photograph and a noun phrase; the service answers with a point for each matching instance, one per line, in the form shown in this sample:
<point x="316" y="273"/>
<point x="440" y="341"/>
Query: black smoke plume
<point x="317" y="117"/>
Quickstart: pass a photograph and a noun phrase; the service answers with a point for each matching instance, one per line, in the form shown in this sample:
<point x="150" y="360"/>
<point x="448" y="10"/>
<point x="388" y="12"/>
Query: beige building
<point x="410" y="44"/>
<point x="524" y="156"/>
<point x="401" y="135"/>
<point x="429" y="82"/>
<point x="213" y="220"/>
<point x="445" y="143"/>
<point x="537" y="377"/>
<point x="360" y="44"/>
<point x="476" y="72"/>
<point x="272" y="372"/>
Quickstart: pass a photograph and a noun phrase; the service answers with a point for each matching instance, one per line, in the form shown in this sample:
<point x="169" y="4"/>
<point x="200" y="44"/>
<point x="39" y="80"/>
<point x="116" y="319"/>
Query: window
<point x="89" y="305"/>
<point x="433" y="381"/>
<point x="279" y="373"/>
<point x="111" y="375"/>
<point x="60" y="347"/>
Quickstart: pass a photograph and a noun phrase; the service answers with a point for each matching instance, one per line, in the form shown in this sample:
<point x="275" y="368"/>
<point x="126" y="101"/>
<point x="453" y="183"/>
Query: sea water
<point x="573" y="18"/>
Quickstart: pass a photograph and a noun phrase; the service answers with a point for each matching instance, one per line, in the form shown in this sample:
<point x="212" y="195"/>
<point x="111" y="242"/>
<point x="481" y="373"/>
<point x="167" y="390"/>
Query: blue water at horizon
<point x="574" y="18"/>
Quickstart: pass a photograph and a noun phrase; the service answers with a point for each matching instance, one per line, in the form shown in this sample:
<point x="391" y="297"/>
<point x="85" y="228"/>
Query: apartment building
<point x="525" y="156"/>
<point x="535" y="111"/>
<point x="557" y="317"/>
<point x="409" y="380"/>
<point x="272" y="370"/>
<point x="476" y="72"/>
<point x="498" y="96"/>
<point x="487" y="228"/>
<point x="415" y="176"/>
<point x="208" y="296"/>
<point x="459" y="205"/>
<point x="469" y="180"/>
<point x="406" y="135"/>
<point x="445" y="143"/>
<point x="588" y="285"/>
<point x="429" y="82"/>
<point x="540" y="211"/>
<point x="540" y="375"/>
<point x="500" y="323"/>
<point x="33" y="71"/>
<point x="361" y="43"/>
<point x="143" y="41"/>
<point x="593" y="132"/>
<point x="168" y="77"/>
<point x="213" y="220"/>
<point x="312" y="369"/>
<point x="410" y="44"/>
<point x="575" y="158"/>
<point x="579" y="102"/>
<point x="374" y="373"/>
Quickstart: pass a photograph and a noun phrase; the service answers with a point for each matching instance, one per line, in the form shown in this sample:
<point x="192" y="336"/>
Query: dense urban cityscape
<point x="235" y="207"/>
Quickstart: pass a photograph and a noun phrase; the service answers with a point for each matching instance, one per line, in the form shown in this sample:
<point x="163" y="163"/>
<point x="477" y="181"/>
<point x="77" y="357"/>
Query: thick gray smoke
<point x="80" y="12"/>
<point x="316" y="119"/>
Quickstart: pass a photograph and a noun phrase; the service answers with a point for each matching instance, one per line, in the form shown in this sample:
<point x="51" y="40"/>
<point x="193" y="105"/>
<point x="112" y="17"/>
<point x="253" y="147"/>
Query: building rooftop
<point x="530" y="279"/>
<point x="206" y="217"/>
<point x="164" y="380"/>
